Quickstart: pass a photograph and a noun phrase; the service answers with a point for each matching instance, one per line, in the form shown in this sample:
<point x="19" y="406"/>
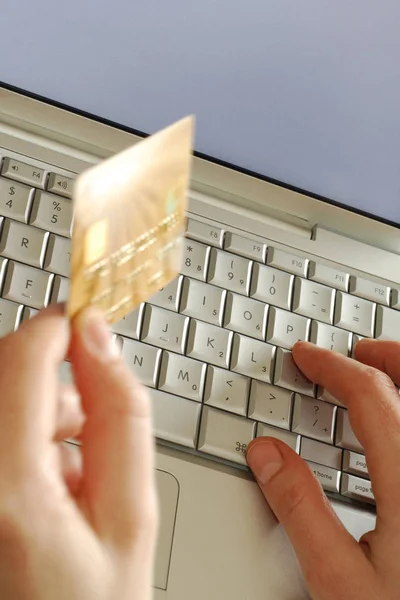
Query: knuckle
<point x="290" y="494"/>
<point x="377" y="379"/>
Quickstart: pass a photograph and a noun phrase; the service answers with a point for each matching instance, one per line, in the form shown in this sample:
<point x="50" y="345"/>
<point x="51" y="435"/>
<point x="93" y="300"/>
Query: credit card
<point x="129" y="213"/>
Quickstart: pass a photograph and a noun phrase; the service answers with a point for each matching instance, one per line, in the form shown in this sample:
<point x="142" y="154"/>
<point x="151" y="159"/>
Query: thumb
<point x="329" y="557"/>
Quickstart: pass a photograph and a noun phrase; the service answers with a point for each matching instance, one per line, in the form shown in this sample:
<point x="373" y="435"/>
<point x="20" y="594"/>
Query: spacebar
<point x="175" y="419"/>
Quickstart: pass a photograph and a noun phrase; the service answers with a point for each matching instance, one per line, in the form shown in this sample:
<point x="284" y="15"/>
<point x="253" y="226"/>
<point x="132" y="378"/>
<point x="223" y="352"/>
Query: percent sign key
<point x="61" y="217"/>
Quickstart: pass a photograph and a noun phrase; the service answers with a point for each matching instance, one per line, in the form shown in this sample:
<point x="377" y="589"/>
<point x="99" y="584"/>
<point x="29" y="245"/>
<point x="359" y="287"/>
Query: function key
<point x="214" y="236"/>
<point x="370" y="290"/>
<point x="245" y="247"/>
<point x="58" y="184"/>
<point x="329" y="276"/>
<point x="286" y="261"/>
<point x="20" y="171"/>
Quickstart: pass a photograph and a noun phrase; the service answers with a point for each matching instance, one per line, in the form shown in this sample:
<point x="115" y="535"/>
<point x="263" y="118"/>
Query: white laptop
<point x="290" y="92"/>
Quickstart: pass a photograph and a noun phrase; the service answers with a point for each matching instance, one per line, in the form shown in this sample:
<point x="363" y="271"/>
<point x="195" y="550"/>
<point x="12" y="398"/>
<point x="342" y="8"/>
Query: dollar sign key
<point x="12" y="190"/>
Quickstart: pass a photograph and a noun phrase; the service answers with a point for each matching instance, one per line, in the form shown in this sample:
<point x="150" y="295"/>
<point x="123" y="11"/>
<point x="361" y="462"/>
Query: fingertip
<point x="302" y="347"/>
<point x="264" y="459"/>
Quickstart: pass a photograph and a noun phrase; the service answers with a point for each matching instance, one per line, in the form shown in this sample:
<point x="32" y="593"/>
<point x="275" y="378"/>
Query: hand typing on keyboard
<point x="68" y="531"/>
<point x="335" y="566"/>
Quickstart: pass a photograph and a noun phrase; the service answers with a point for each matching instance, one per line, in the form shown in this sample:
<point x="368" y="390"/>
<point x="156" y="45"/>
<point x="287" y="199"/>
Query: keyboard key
<point x="130" y="325"/>
<point x="169" y="296"/>
<point x="60" y="292"/>
<point x="313" y="300"/>
<point x="285" y="328"/>
<point x="289" y="438"/>
<point x="245" y="315"/>
<point x="327" y="477"/>
<point x="272" y="286"/>
<point x="209" y="343"/>
<point x="182" y="376"/>
<point x="202" y="301"/>
<point x="345" y="437"/>
<point x="175" y="419"/>
<point x="356" y="339"/>
<point x="20" y="171"/>
<point x="164" y="328"/>
<point x="313" y="418"/>
<point x="15" y="200"/>
<point x="355" y="463"/>
<point x="3" y="266"/>
<point x="253" y="358"/>
<point x="58" y="255"/>
<point x="287" y="261"/>
<point x="289" y="376"/>
<point x="356" y="488"/>
<point x="61" y="185"/>
<point x="329" y="276"/>
<point x="195" y="260"/>
<point x="331" y="338"/>
<point x="395" y="299"/>
<point x="229" y="271"/>
<point x="320" y="453"/>
<point x="226" y="390"/>
<point x="355" y="314"/>
<point x="214" y="236"/>
<point x="10" y="316"/>
<point x="143" y="360"/>
<point x="270" y="404"/>
<point x="370" y="290"/>
<point x="245" y="247"/>
<point x="52" y="213"/>
<point x="29" y="313"/>
<point x="323" y="394"/>
<point x="225" y="435"/>
<point x="27" y="285"/>
<point x="23" y="243"/>
<point x="387" y="324"/>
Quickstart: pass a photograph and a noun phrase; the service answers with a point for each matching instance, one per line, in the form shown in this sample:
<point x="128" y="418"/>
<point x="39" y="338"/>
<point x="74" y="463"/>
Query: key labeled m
<point x="184" y="375"/>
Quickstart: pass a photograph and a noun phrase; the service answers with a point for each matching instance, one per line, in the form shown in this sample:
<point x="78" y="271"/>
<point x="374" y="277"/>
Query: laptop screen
<point x="302" y="91"/>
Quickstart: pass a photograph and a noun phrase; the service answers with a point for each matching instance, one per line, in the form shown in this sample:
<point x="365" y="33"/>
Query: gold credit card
<point x="128" y="223"/>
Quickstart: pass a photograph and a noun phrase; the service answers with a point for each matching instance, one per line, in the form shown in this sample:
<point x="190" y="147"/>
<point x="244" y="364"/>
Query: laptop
<point x="292" y="232"/>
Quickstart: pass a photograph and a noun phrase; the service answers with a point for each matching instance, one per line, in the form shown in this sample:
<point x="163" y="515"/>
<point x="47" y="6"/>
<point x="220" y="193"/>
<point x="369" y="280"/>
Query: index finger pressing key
<point x="374" y="412"/>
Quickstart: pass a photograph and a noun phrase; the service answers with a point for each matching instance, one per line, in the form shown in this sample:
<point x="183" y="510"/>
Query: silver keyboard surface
<point x="214" y="346"/>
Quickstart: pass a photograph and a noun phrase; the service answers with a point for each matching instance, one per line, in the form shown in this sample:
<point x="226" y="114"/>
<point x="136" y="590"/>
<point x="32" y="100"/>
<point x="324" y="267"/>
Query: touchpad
<point x="168" y="493"/>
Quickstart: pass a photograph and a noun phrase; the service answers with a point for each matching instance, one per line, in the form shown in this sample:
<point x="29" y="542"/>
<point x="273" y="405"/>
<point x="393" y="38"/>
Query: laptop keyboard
<point x="214" y="346"/>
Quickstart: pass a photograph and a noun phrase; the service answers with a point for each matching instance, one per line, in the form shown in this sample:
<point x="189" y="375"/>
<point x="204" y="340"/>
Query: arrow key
<point x="226" y="390"/>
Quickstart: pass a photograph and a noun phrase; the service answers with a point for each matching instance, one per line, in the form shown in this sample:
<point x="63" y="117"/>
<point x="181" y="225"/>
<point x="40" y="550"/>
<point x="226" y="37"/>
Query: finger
<point x="327" y="554"/>
<point x="374" y="412"/>
<point x="29" y="361"/>
<point x="118" y="485"/>
<point x="71" y="466"/>
<point x="70" y="417"/>
<point x="380" y="354"/>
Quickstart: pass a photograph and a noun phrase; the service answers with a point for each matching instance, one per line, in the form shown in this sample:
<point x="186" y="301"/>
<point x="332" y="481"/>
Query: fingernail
<point x="96" y="334"/>
<point x="265" y="460"/>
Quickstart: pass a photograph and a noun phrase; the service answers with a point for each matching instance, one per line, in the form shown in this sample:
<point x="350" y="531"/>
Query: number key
<point x="15" y="200"/>
<point x="52" y="213"/>
<point x="229" y="271"/>
<point x="195" y="260"/>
